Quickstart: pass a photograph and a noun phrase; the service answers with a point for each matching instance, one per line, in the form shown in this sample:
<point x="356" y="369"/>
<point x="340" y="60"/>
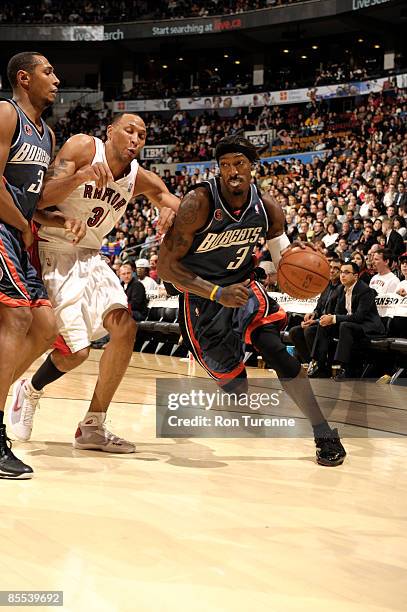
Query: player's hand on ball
<point x="27" y="236"/>
<point x="99" y="173"/>
<point x="326" y="320"/>
<point x="77" y="228"/>
<point x="300" y="244"/>
<point x="236" y="295"/>
<point x="165" y="220"/>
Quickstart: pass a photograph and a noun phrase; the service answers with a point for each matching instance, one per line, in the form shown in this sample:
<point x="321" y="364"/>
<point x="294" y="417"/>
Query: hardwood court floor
<point x="202" y="525"/>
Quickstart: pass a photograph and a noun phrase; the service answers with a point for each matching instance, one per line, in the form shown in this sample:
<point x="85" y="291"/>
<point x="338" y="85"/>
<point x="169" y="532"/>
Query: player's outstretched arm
<point x="72" y="167"/>
<point x="154" y="188"/>
<point x="9" y="213"/>
<point x="192" y="216"/>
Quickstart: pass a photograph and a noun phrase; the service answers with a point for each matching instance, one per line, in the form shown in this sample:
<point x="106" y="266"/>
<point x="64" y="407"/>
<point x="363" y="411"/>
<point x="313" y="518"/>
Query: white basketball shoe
<point x="93" y="435"/>
<point x="21" y="412"/>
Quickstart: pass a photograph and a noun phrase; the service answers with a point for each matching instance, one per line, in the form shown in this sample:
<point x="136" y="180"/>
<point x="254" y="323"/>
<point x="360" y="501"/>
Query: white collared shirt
<point x="348" y="298"/>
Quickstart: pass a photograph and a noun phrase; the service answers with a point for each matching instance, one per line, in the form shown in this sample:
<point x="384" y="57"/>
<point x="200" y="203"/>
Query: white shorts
<point x="83" y="290"/>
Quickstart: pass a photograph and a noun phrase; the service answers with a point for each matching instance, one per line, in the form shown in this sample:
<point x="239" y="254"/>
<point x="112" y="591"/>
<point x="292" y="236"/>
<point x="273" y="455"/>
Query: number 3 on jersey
<point x="241" y="256"/>
<point x="98" y="217"/>
<point x="36" y="187"/>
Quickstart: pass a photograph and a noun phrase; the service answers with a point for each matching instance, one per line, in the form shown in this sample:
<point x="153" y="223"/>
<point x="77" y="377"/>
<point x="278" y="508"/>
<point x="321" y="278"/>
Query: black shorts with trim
<point x="217" y="335"/>
<point x="20" y="284"/>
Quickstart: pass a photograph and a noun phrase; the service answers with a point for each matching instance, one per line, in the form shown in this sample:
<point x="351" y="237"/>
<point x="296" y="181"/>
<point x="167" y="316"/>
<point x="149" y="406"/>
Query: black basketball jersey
<point x="223" y="251"/>
<point x="28" y="161"/>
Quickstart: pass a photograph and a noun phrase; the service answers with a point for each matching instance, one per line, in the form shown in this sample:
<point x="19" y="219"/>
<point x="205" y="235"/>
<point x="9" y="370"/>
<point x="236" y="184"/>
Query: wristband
<point x="213" y="293"/>
<point x="218" y="294"/>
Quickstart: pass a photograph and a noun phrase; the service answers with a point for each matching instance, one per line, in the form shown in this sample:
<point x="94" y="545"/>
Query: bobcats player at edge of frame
<point x="27" y="323"/>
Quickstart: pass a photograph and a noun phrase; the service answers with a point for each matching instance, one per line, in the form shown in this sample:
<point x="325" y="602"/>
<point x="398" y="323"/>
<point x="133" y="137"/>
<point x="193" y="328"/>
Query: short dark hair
<point x="22" y="61"/>
<point x="353" y="265"/>
<point x="236" y="144"/>
<point x="386" y="254"/>
<point x="117" y="116"/>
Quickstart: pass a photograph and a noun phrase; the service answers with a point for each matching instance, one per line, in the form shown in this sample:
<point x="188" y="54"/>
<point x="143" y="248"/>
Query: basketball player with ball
<point x="207" y="256"/>
<point x="96" y="180"/>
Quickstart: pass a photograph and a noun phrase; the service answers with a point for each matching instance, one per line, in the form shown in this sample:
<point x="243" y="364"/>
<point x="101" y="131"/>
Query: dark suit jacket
<point x="364" y="309"/>
<point x="395" y="243"/>
<point x="136" y="296"/>
<point x="400" y="199"/>
<point x="324" y="300"/>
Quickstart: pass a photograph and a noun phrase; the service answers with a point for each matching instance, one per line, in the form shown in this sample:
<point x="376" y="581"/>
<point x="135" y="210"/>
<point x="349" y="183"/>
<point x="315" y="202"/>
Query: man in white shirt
<point x="143" y="268"/>
<point x="384" y="281"/>
<point x="401" y="288"/>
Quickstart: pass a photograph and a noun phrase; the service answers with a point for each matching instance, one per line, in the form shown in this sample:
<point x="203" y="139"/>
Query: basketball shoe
<point x="330" y="451"/>
<point x="93" y="435"/>
<point x="21" y="412"/>
<point x="10" y="466"/>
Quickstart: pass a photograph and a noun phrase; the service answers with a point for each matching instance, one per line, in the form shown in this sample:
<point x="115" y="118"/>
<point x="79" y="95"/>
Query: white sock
<point x="99" y="416"/>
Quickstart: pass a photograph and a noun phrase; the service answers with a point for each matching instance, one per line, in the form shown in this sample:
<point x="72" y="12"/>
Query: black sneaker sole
<point x="327" y="463"/>
<point x="22" y="476"/>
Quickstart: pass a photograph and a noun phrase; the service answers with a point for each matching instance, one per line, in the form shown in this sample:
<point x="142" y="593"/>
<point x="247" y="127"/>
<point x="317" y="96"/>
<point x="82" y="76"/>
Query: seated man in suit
<point x="303" y="336"/>
<point x="354" y="317"/>
<point x="136" y="294"/>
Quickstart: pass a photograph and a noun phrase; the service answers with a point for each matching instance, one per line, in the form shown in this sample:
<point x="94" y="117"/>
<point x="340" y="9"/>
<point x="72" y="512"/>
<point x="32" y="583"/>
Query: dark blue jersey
<point x="28" y="161"/>
<point x="222" y="252"/>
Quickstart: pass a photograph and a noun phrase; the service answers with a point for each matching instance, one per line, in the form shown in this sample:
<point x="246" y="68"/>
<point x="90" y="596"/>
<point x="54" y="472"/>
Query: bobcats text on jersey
<point x="247" y="235"/>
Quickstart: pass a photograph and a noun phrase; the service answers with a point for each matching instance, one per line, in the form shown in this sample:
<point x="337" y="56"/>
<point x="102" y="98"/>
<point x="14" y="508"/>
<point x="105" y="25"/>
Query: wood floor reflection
<point x="205" y="524"/>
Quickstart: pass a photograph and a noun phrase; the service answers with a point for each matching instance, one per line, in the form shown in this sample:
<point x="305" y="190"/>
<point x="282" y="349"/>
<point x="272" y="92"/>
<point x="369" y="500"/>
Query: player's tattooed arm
<point x="58" y="169"/>
<point x="192" y="216"/>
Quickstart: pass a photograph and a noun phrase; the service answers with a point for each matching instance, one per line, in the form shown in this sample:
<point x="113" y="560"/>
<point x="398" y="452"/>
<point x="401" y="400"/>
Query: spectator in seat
<point x="364" y="275"/>
<point x="143" y="269"/>
<point x="303" y="336"/>
<point x="401" y="288"/>
<point x="354" y="317"/>
<point x="153" y="268"/>
<point x="384" y="281"/>
<point x="394" y="241"/>
<point x="136" y="294"/>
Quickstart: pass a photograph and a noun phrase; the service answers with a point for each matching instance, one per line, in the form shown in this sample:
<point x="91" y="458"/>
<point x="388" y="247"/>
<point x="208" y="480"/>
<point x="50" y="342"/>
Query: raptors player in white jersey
<point x="93" y="181"/>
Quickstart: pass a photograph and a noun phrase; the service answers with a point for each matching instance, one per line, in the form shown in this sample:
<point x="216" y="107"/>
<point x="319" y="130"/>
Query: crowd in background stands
<point x="173" y="84"/>
<point x="90" y="11"/>
<point x="194" y="138"/>
<point x="351" y="203"/>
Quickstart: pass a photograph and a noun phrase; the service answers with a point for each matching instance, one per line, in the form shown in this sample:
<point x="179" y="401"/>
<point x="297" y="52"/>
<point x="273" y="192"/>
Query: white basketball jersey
<point x="101" y="209"/>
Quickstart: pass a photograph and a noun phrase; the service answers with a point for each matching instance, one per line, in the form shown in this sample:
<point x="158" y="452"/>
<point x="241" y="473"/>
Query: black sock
<point x="322" y="430"/>
<point x="46" y="374"/>
<point x="1" y="417"/>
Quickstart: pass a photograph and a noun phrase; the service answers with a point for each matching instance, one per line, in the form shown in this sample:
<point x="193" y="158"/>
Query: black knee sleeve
<point x="268" y="343"/>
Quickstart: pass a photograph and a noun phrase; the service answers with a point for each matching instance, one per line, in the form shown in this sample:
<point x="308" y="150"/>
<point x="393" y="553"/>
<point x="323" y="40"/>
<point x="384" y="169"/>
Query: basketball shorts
<point x="83" y="290"/>
<point x="20" y="285"/>
<point x="217" y="336"/>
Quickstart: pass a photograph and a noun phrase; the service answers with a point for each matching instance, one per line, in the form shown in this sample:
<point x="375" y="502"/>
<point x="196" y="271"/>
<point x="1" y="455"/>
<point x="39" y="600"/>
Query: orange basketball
<point x="303" y="273"/>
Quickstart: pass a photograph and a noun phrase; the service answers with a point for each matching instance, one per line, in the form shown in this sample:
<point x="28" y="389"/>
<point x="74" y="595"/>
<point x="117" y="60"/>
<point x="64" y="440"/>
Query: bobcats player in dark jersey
<point x="208" y="256"/>
<point x="27" y="325"/>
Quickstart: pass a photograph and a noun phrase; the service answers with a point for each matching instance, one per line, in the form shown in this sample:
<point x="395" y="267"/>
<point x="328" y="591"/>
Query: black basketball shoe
<point x="10" y="466"/>
<point x="330" y="451"/>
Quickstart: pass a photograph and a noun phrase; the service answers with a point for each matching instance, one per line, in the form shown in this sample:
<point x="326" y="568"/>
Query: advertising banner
<point x="154" y="152"/>
<point x="305" y="158"/>
<point x="267" y="98"/>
